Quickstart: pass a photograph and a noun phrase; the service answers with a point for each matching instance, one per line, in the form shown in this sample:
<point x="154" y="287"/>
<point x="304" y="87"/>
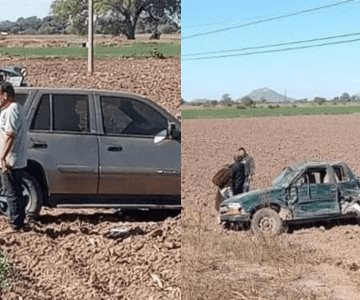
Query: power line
<point x="273" y="45"/>
<point x="229" y="21"/>
<point x="207" y="24"/>
<point x="268" y="19"/>
<point x="274" y="50"/>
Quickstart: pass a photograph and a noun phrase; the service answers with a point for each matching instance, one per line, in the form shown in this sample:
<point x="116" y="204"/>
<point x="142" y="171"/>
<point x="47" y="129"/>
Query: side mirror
<point x="160" y="136"/>
<point x="172" y="132"/>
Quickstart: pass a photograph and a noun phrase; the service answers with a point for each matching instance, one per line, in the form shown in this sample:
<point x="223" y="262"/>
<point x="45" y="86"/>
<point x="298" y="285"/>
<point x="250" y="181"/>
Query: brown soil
<point x="70" y="254"/>
<point x="318" y="262"/>
<point x="156" y="79"/>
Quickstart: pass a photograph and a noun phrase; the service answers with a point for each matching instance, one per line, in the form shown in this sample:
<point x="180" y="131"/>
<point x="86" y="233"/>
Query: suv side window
<point x="70" y="113"/>
<point x="60" y="112"/>
<point x="124" y="116"/>
<point x="41" y="120"/>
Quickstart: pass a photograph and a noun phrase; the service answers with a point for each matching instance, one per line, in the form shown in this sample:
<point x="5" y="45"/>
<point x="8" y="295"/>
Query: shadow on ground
<point x="320" y="225"/>
<point x="113" y="217"/>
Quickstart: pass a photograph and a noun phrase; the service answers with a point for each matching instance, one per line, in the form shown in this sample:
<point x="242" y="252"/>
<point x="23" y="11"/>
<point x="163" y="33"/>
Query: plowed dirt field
<point x="319" y="262"/>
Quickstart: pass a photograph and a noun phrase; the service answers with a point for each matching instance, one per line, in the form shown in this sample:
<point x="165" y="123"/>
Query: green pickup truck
<point x="304" y="193"/>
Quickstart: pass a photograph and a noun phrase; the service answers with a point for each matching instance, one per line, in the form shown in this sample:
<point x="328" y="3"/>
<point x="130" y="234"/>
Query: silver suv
<point x="99" y="149"/>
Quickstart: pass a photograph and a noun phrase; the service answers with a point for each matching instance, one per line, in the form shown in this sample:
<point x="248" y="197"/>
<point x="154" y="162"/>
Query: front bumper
<point x="240" y="218"/>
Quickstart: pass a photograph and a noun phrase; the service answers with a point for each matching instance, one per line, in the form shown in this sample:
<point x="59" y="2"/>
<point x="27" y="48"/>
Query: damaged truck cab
<point x="307" y="192"/>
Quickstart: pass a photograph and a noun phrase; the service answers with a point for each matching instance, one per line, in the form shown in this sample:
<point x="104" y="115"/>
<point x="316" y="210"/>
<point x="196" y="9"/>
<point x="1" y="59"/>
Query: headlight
<point x="234" y="206"/>
<point x="223" y="209"/>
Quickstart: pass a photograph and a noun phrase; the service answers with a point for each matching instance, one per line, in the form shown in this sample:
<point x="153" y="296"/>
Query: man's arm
<point x="252" y="167"/>
<point x="8" y="145"/>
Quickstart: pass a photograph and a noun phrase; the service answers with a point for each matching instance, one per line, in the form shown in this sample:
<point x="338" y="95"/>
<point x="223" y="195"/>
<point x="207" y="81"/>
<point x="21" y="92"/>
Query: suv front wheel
<point x="267" y="220"/>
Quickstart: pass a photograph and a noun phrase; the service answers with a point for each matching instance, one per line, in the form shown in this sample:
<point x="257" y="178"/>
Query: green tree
<point x="116" y="16"/>
<point x="355" y="98"/>
<point x="345" y="97"/>
<point x="73" y="12"/>
<point x="319" y="100"/>
<point x="226" y="100"/>
<point x="247" y="101"/>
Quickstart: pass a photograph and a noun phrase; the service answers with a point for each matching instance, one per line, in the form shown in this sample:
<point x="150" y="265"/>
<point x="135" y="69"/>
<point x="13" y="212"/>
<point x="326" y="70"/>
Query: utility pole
<point x="91" y="38"/>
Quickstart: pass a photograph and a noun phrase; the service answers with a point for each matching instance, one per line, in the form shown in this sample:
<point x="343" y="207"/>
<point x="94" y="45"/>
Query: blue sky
<point x="13" y="9"/>
<point x="325" y="71"/>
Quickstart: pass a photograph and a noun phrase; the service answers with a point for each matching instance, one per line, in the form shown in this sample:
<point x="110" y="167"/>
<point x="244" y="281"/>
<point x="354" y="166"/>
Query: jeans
<point x="11" y="183"/>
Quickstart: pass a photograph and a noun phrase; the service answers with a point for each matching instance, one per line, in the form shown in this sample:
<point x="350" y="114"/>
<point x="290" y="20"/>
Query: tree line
<point x="226" y="100"/>
<point x="115" y="17"/>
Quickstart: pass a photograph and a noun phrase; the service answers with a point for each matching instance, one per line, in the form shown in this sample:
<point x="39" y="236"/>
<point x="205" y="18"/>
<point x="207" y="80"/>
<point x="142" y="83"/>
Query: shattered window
<point x="283" y="177"/>
<point x="317" y="176"/>
<point x="122" y="115"/>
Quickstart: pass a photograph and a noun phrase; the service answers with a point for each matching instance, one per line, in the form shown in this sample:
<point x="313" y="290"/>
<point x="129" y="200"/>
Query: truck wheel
<point x="33" y="194"/>
<point x="267" y="220"/>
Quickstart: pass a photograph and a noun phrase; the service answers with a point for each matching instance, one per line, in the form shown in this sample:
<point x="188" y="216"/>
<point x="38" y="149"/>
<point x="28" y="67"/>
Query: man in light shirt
<point x="13" y="155"/>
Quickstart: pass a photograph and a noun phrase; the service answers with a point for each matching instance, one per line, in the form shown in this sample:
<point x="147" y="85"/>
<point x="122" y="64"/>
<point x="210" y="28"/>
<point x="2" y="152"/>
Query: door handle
<point x="38" y="145"/>
<point x="114" y="148"/>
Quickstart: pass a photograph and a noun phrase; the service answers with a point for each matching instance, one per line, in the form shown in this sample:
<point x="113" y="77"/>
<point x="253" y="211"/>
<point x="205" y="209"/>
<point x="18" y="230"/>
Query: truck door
<point x="316" y="194"/>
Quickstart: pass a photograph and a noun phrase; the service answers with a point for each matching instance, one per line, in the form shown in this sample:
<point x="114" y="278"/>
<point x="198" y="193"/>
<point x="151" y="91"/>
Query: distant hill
<point x="269" y="95"/>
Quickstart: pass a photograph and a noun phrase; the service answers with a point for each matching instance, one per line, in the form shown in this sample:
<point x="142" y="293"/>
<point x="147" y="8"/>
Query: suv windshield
<point x="283" y="177"/>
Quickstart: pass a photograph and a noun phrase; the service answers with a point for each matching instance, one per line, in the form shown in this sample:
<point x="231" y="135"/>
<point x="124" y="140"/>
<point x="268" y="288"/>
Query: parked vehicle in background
<point x="15" y="75"/>
<point x="307" y="192"/>
<point x="99" y="149"/>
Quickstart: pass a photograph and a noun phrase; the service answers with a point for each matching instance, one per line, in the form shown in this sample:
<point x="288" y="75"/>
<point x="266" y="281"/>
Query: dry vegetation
<point x="66" y="40"/>
<point x="311" y="263"/>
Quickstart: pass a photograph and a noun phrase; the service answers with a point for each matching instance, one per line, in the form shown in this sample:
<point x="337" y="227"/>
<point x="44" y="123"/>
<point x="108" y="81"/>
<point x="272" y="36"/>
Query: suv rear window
<point x="63" y="113"/>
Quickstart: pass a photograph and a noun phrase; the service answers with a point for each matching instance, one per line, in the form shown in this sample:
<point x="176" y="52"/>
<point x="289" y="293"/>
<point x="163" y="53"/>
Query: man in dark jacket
<point x="249" y="164"/>
<point x="238" y="177"/>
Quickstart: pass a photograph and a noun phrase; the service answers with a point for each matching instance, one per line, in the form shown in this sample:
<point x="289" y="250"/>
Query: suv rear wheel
<point x="33" y="195"/>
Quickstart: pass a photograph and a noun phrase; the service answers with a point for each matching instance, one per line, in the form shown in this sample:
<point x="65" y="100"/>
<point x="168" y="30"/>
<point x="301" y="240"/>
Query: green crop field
<point x="134" y="50"/>
<point x="233" y="112"/>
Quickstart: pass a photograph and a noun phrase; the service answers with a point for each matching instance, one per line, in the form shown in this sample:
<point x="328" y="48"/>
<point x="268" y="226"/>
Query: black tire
<point x="267" y="221"/>
<point x="32" y="190"/>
